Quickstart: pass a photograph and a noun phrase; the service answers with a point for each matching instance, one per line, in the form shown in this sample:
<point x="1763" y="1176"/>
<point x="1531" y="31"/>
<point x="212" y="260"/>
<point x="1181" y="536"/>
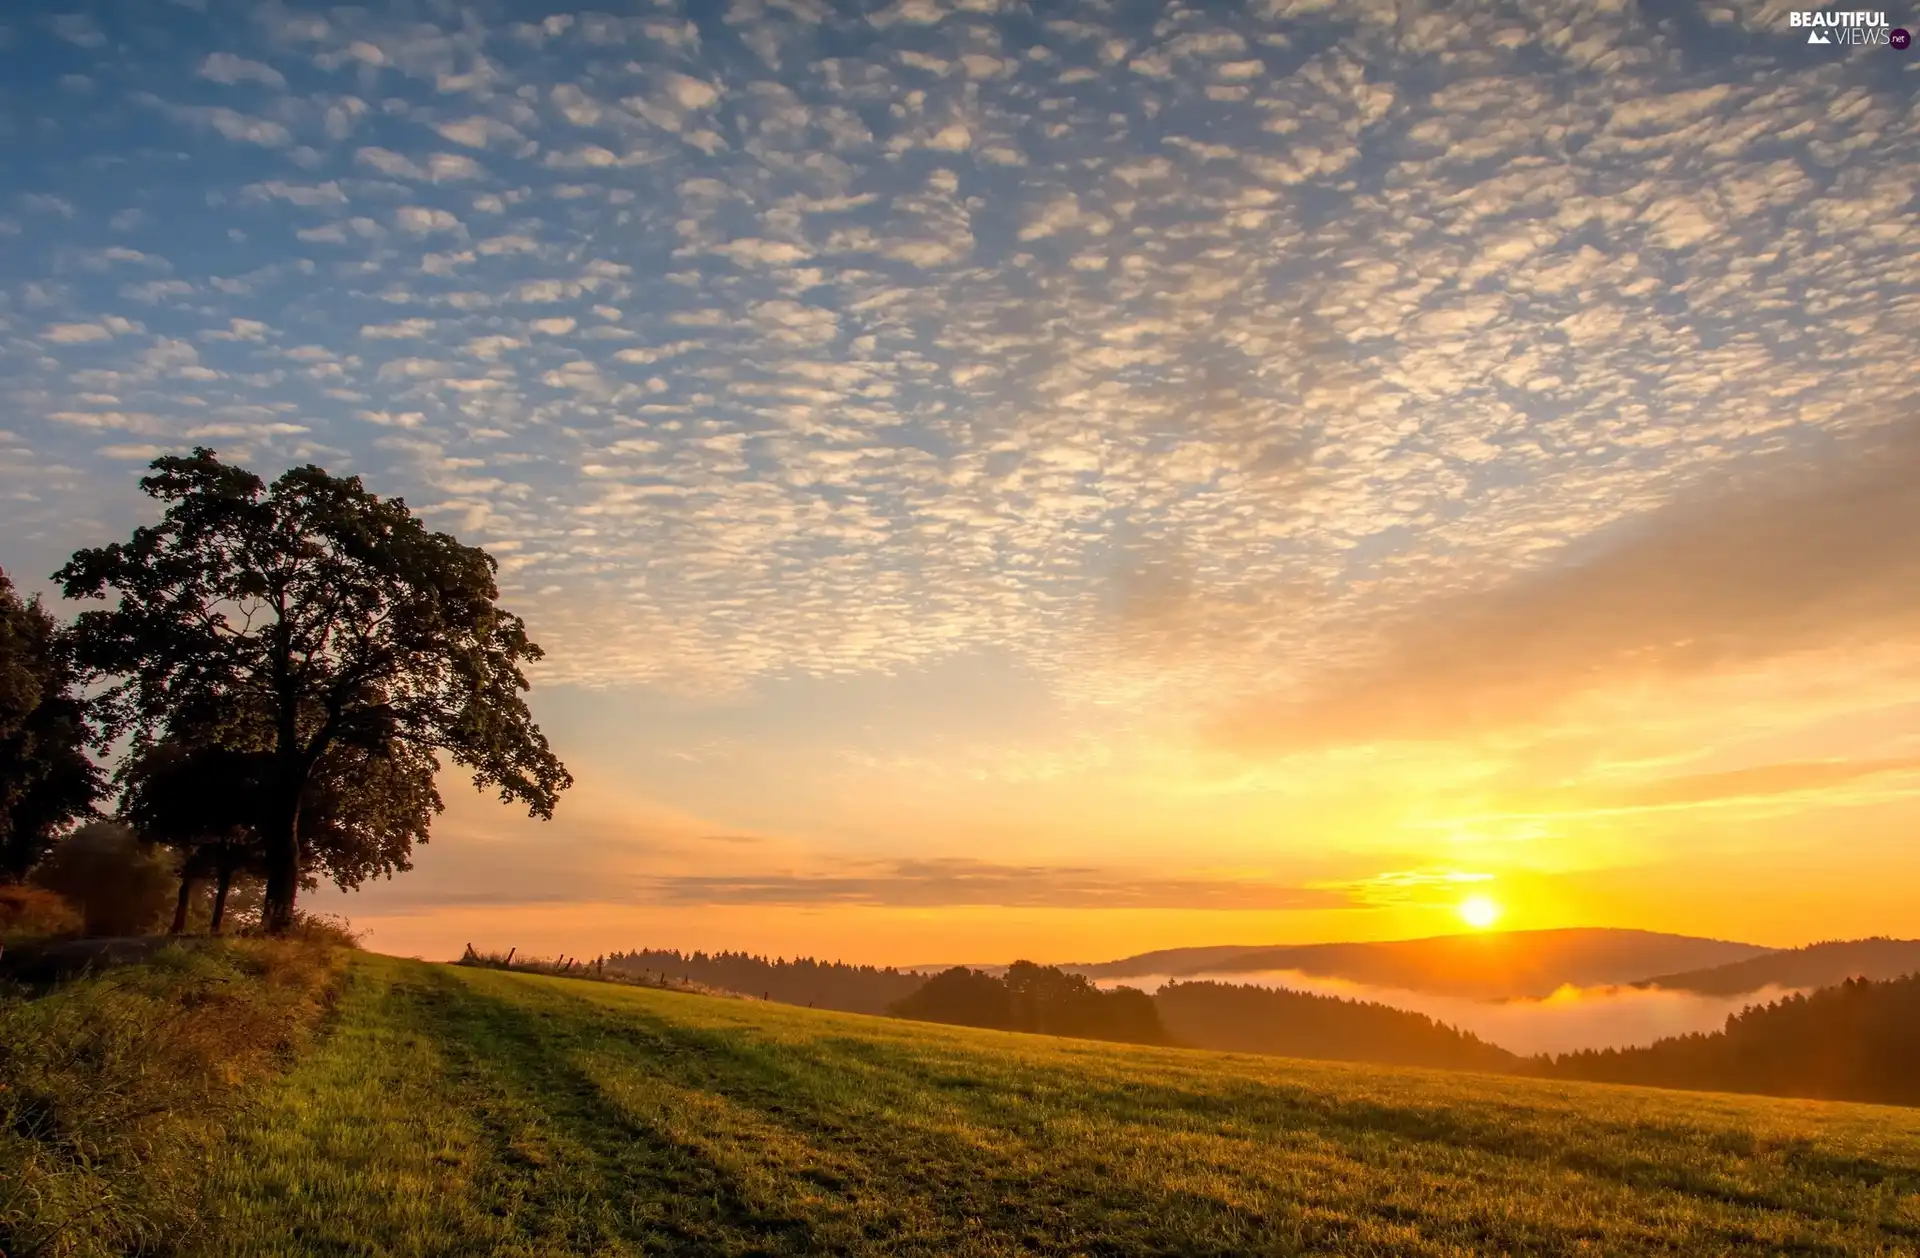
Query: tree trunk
<point x="179" y="926"/>
<point x="220" y="895"/>
<point x="283" y="861"/>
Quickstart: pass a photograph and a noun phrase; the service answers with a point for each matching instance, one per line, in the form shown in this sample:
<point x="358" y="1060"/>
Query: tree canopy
<point x="1038" y="998"/>
<point x="325" y="630"/>
<point x="47" y="780"/>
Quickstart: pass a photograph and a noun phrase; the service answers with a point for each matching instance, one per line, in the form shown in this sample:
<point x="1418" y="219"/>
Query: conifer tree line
<point x="264" y="684"/>
<point x="800" y="981"/>
<point x="1856" y="1041"/>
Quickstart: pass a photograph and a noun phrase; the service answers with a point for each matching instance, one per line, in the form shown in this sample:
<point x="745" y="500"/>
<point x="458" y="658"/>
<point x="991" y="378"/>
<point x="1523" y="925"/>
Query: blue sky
<point x="1072" y="438"/>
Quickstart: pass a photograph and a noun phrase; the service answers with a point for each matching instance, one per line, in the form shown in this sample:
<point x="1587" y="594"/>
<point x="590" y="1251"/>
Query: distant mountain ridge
<point x="1494" y="965"/>
<point x="1816" y="965"/>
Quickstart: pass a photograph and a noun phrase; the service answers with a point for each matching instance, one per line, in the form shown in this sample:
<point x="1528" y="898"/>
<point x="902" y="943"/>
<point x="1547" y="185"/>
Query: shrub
<point x="28" y="913"/>
<point x="120" y="886"/>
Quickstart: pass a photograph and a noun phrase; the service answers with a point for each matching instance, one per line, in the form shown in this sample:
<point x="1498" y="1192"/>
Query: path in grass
<point x="478" y="1112"/>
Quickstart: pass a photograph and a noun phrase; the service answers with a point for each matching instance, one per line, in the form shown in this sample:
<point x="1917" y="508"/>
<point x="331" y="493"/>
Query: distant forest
<point x="1855" y="1041"/>
<point x="1859" y="1041"/>
<point x="801" y="981"/>
<point x="1248" y="1019"/>
<point x="1038" y="998"/>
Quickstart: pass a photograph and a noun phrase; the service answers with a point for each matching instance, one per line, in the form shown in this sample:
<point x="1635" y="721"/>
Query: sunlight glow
<point x="1479" y="911"/>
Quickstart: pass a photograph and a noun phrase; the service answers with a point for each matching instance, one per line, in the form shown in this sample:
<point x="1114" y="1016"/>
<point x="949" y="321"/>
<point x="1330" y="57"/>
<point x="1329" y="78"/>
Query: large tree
<point x="47" y="782"/>
<point x="330" y="617"/>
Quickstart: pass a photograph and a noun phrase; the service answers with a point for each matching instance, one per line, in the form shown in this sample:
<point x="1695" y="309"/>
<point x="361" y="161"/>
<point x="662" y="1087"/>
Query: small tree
<point x="330" y="617"/>
<point x="119" y="884"/>
<point x="206" y="803"/>
<point x="360" y="817"/>
<point x="47" y="781"/>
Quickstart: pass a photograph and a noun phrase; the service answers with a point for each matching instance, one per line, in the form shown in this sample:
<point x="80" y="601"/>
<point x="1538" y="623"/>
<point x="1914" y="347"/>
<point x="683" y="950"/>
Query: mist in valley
<point x="1571" y="1019"/>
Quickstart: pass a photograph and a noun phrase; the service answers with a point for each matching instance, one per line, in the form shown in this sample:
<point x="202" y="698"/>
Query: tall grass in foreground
<point x="113" y="1087"/>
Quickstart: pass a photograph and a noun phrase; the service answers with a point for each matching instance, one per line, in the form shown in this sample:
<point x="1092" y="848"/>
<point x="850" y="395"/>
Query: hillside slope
<point x="460" y="1111"/>
<point x="1816" y="965"/>
<point x="1857" y="1041"/>
<point x="1247" y="1019"/>
<point x="1496" y="965"/>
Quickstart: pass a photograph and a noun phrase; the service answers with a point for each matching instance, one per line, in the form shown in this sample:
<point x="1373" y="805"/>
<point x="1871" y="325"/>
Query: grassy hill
<point x="1816" y="965"/>
<point x="465" y="1111"/>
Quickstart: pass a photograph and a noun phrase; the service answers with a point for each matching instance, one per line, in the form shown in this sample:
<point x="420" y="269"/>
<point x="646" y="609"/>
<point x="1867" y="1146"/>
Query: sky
<point x="1049" y="480"/>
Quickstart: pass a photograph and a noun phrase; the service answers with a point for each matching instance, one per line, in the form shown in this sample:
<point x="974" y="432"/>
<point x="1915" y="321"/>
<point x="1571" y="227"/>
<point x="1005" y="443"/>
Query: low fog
<point x="1572" y="1018"/>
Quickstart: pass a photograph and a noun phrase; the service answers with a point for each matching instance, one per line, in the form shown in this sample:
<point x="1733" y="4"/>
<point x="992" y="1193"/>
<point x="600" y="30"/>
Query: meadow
<point x="468" y="1111"/>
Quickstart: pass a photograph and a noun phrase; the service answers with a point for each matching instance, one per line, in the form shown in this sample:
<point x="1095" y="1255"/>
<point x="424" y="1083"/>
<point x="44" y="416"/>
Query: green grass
<point x="114" y="1088"/>
<point x="468" y="1111"/>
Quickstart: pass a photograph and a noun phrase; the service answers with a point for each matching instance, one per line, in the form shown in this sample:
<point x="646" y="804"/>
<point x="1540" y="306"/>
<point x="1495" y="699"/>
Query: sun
<point x="1479" y="911"/>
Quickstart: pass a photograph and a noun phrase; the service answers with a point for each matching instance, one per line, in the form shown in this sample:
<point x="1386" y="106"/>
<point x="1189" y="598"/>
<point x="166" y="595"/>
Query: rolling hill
<point x="1496" y="965"/>
<point x="1817" y="965"/>
<point x="441" y="1110"/>
<point x="1246" y="1019"/>
<point x="542" y="1115"/>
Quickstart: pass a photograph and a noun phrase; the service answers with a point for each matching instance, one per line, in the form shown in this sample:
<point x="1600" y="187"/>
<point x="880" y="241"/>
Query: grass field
<point x="454" y="1111"/>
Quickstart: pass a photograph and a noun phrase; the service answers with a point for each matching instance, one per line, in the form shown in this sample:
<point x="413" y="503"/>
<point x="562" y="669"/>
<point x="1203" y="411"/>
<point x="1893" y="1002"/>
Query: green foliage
<point x="46" y="780"/>
<point x="462" y="1110"/>
<point x="113" y="1088"/>
<point x="120" y="886"/>
<point x="300" y="617"/>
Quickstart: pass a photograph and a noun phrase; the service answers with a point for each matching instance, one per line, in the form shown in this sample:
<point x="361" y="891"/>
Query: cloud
<point x="420" y="220"/>
<point x="77" y="28"/>
<point x="232" y="124"/>
<point x="1789" y="558"/>
<point x="75" y="333"/>
<point x="958" y="882"/>
<point x="1730" y="786"/>
<point x="225" y="67"/>
<point x="478" y="132"/>
<point x="306" y="195"/>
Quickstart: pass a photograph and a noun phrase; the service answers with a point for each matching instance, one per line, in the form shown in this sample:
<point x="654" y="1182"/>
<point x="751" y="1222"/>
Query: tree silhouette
<point x="322" y="614"/>
<point x="360" y="816"/>
<point x="205" y="802"/>
<point x="1855" y="1041"/>
<point x="1038" y="998"/>
<point x="800" y="981"/>
<point x="46" y="778"/>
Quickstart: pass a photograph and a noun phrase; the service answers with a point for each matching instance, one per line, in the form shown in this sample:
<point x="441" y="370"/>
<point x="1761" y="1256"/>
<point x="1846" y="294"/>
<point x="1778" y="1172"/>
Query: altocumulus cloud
<point x="1169" y="354"/>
